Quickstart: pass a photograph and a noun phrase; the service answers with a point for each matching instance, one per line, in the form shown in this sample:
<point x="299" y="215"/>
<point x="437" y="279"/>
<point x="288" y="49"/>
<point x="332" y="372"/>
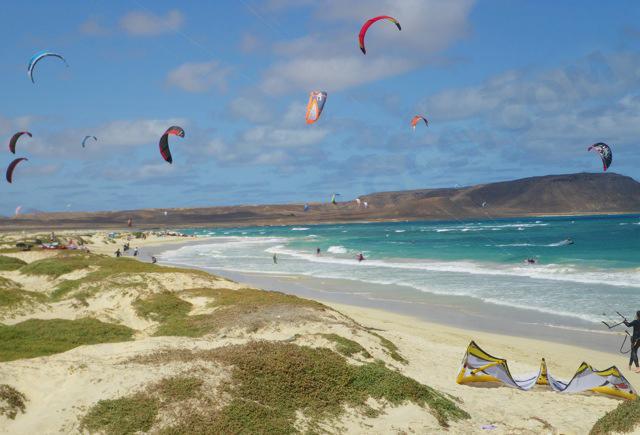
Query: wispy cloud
<point x="200" y="77"/>
<point x="93" y="27"/>
<point x="146" y="23"/>
<point x="332" y="61"/>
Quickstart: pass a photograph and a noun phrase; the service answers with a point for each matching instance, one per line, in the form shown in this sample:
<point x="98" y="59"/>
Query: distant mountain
<point x="583" y="193"/>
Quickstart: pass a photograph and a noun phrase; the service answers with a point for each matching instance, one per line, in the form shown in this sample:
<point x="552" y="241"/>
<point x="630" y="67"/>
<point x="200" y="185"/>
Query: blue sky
<point x="511" y="89"/>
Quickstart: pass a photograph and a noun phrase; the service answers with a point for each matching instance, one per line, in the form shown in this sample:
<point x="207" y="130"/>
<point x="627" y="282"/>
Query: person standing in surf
<point x="635" y="341"/>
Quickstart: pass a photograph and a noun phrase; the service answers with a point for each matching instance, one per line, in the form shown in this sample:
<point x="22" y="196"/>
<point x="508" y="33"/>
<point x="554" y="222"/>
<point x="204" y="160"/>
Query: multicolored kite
<point x="417" y="119"/>
<point x="365" y="27"/>
<point x="315" y="106"/>
<point x="605" y="153"/>
<point x="164" y="141"/>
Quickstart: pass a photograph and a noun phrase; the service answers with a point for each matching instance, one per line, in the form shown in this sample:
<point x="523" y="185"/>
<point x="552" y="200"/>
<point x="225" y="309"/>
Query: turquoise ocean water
<point x="482" y="260"/>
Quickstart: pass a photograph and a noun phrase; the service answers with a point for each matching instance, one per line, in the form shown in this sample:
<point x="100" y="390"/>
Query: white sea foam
<point x="299" y="229"/>
<point x="573" y="289"/>
<point x="335" y="250"/>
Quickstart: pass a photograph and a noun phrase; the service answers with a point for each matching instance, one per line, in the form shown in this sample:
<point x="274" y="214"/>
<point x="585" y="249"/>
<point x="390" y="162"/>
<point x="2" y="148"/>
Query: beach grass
<point x="103" y="268"/>
<point x="247" y="308"/>
<point x="10" y="263"/>
<point x="391" y="348"/>
<point x="346" y="346"/>
<point x="271" y="383"/>
<point x="59" y="265"/>
<point x="625" y="418"/>
<point x="138" y="412"/>
<point x="12" y="401"/>
<point x="126" y="415"/>
<point x="178" y="388"/>
<point x="36" y="337"/>
<point x="12" y="294"/>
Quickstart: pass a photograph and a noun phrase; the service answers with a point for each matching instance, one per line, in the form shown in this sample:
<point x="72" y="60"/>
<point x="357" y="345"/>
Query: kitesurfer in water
<point x="635" y="340"/>
<point x="360" y="257"/>
<point x="568" y="241"/>
<point x="530" y="261"/>
<point x="317" y="251"/>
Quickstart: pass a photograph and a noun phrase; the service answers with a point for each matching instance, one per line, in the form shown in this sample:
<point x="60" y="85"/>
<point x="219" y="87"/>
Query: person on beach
<point x="154" y="260"/>
<point x="118" y="254"/>
<point x="135" y="252"/>
<point x="317" y="251"/>
<point x="360" y="257"/>
<point x="275" y="259"/>
<point x="635" y="341"/>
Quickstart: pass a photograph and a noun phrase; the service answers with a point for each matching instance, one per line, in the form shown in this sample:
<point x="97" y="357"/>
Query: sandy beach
<point x="61" y="388"/>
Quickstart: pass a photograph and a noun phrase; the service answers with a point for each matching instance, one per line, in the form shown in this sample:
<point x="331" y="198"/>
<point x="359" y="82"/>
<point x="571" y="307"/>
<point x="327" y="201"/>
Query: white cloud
<point x="93" y="27"/>
<point x="251" y="108"/>
<point x="268" y="145"/>
<point x="249" y="43"/>
<point x="330" y="74"/>
<point x="596" y="76"/>
<point x="145" y="23"/>
<point x="331" y="60"/>
<point x="548" y="117"/>
<point x="131" y="133"/>
<point x="199" y="76"/>
<point x="120" y="133"/>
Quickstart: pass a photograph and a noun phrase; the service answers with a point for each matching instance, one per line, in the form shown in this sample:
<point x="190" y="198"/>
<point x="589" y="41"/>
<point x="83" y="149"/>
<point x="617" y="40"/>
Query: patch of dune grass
<point x="177" y="388"/>
<point x="138" y="412"/>
<point x="59" y="265"/>
<point x="391" y="348"/>
<point x="172" y="313"/>
<point x="11" y="294"/>
<point x="624" y="419"/>
<point x="161" y="307"/>
<point x="250" y="299"/>
<point x="10" y="263"/>
<point x="249" y="308"/>
<point x="36" y="337"/>
<point x="107" y="267"/>
<point x="345" y="346"/>
<point x="126" y="415"/>
<point x="272" y="381"/>
<point x="11" y="401"/>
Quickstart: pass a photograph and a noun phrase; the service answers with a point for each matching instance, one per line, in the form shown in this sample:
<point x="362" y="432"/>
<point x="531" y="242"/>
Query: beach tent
<point x="479" y="366"/>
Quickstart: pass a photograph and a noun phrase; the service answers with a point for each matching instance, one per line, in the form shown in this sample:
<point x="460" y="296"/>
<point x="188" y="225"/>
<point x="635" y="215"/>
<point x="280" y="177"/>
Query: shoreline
<point x="79" y="226"/>
<point x="463" y="313"/>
